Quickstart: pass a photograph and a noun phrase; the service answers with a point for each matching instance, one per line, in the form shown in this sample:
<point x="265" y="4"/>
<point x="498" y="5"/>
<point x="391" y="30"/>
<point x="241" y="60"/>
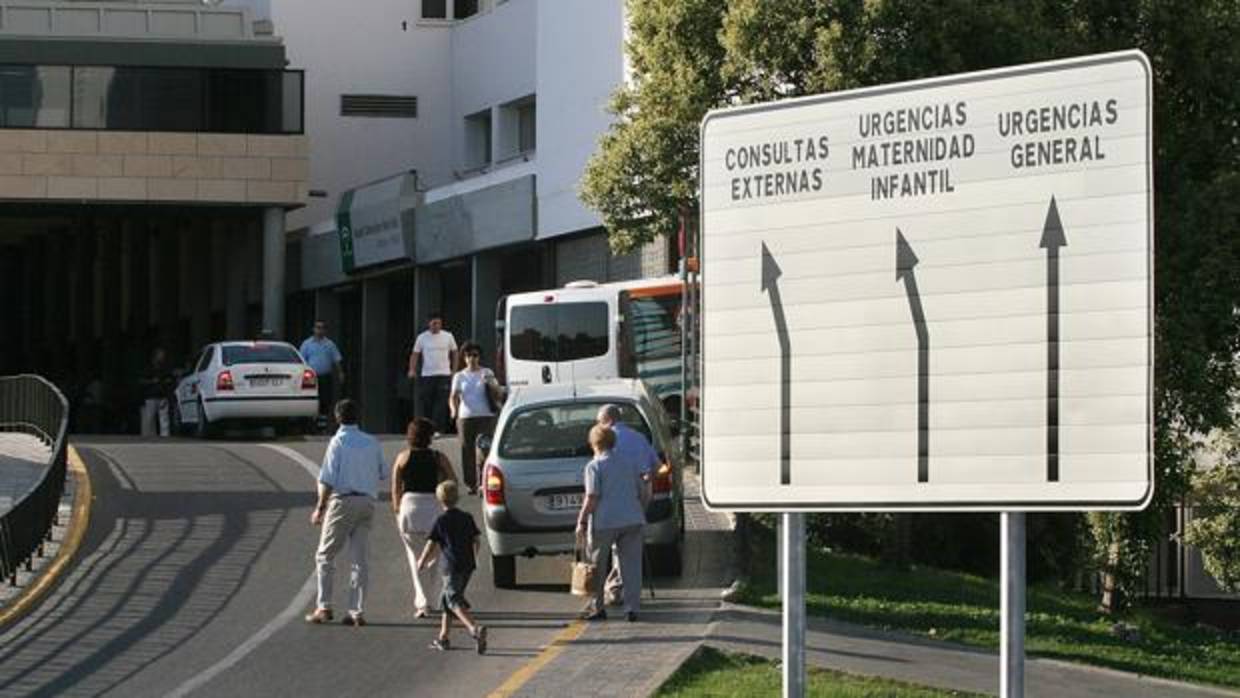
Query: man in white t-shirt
<point x="430" y="363"/>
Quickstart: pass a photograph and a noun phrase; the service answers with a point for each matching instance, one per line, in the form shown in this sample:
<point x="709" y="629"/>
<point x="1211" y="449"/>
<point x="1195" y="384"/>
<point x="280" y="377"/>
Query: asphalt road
<point x="196" y="571"/>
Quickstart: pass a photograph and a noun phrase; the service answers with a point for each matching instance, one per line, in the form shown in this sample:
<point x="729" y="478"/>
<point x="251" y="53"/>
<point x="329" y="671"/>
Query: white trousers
<point x="417" y="514"/>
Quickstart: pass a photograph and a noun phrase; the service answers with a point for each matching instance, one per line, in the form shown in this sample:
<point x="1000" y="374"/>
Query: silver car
<point x="532" y="483"/>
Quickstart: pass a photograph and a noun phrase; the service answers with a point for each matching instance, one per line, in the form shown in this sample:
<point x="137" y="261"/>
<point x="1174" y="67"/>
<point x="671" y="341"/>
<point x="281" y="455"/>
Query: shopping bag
<point x="584" y="574"/>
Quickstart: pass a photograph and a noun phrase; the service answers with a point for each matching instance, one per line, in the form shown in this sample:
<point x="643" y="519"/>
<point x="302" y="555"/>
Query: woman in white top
<point x="473" y="403"/>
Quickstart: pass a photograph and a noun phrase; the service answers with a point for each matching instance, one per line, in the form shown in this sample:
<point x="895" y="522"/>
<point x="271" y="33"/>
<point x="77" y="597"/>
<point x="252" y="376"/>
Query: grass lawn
<point x="710" y="672"/>
<point x="963" y="608"/>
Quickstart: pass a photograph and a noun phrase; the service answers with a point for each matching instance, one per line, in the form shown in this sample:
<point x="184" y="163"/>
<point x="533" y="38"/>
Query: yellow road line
<point x="553" y="650"/>
<point x="82" y="498"/>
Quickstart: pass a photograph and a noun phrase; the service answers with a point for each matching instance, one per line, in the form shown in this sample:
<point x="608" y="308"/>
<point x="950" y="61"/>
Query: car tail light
<point x="224" y="381"/>
<point x="309" y="380"/>
<point x="493" y="484"/>
<point x="662" y="481"/>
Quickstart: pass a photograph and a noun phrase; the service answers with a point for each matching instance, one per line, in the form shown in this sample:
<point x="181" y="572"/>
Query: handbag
<point x="495" y="396"/>
<point x="584" y="574"/>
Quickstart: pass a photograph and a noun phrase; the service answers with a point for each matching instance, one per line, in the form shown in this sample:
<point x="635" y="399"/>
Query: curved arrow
<point x="770" y="276"/>
<point x="1052" y="239"/>
<point x="905" y="263"/>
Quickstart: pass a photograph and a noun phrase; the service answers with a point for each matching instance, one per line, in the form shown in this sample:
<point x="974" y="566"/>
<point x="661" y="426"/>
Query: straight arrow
<point x="905" y="263"/>
<point x="1052" y="239"/>
<point x="770" y="276"/>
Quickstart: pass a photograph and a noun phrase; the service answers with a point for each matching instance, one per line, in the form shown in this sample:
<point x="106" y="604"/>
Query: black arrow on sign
<point x="1052" y="239"/>
<point x="905" y="262"/>
<point x="770" y="275"/>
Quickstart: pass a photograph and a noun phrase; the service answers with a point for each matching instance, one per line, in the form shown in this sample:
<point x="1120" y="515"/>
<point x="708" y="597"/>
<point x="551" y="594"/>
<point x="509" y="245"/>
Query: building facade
<point x="149" y="152"/>
<point x="449" y="140"/>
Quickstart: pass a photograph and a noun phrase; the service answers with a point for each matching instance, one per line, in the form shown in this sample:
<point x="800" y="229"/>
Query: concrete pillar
<point x="485" y="294"/>
<point x="273" y="270"/>
<point x="234" y="310"/>
<point x="374" y="385"/>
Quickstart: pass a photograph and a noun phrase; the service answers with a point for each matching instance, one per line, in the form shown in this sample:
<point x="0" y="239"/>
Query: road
<point x="196" y="571"/>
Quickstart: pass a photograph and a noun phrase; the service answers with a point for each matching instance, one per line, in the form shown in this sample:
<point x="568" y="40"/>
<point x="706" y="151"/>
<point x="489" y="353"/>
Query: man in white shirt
<point x="430" y="363"/>
<point x="349" y="482"/>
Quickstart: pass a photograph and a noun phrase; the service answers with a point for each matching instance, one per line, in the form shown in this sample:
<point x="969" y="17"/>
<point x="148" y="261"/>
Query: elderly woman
<point x="612" y="514"/>
<point x="416" y="472"/>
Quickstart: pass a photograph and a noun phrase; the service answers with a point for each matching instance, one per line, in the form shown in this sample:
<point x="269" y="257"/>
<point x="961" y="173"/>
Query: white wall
<point x="568" y="53"/>
<point x="492" y="63"/>
<point x="580" y="63"/>
<point x="344" y="50"/>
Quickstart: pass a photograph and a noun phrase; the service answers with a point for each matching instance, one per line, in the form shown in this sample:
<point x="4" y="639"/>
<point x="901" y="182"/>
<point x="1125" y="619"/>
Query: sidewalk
<point x="861" y="650"/>
<point x="23" y="460"/>
<point x="617" y="658"/>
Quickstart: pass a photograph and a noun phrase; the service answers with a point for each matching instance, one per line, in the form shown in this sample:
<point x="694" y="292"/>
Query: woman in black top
<point x="416" y="472"/>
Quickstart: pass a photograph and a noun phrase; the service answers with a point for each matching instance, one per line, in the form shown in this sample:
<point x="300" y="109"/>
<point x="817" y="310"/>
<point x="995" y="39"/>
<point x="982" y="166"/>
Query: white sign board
<point x="932" y="295"/>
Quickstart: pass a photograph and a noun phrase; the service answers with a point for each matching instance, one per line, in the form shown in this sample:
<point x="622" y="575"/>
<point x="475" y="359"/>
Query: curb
<point x="50" y="576"/>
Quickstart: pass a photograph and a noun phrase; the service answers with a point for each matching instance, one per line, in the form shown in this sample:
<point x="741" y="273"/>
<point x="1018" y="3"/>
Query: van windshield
<point x="553" y="332"/>
<point x="559" y="431"/>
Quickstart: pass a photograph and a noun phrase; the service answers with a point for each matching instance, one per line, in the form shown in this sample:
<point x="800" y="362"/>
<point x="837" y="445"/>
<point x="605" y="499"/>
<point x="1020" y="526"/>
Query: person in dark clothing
<point x="157" y="386"/>
<point x="416" y="472"/>
<point x="454" y="539"/>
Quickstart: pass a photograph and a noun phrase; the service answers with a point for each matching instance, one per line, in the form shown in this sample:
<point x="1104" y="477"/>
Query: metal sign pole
<point x="1012" y="605"/>
<point x="792" y="588"/>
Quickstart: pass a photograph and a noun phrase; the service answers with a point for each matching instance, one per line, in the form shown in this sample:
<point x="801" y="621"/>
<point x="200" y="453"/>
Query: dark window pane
<point x="582" y="330"/>
<point x="434" y="9"/>
<point x="171" y="100"/>
<point x="260" y="354"/>
<point x="291" y="101"/>
<point x="533" y="333"/>
<point x="464" y="8"/>
<point x="34" y="97"/>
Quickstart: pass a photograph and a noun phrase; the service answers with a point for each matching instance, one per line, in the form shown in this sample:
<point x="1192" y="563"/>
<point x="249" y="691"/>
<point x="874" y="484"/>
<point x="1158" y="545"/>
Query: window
<point x="560" y="431"/>
<point x="434" y="9"/>
<point x="391" y="106"/>
<point x="478" y="140"/>
<point x="559" y="331"/>
<point x="526" y="133"/>
<point x="464" y="8"/>
<point x="151" y="99"/>
<point x="260" y="354"/>
<point x="205" y="362"/>
<point x="34" y="96"/>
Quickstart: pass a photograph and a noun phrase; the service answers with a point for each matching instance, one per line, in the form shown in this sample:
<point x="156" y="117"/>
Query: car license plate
<point x="565" y="501"/>
<point x="263" y="381"/>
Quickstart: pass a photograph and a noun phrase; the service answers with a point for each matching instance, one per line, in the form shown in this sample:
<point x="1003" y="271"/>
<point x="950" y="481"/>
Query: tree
<point x="693" y="55"/>
<point x="1215" y="526"/>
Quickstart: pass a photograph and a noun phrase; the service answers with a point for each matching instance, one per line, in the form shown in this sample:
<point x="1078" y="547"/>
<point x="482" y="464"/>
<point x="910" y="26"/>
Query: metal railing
<point x="32" y="405"/>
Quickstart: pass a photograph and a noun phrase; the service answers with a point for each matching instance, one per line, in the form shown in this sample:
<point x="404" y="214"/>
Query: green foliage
<point x="710" y="672"/>
<point x="689" y="56"/>
<point x="1215" y="526"/>
<point x="964" y="608"/>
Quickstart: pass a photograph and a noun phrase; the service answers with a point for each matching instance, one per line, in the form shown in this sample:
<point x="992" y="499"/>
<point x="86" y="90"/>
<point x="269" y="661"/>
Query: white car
<point x="260" y="383"/>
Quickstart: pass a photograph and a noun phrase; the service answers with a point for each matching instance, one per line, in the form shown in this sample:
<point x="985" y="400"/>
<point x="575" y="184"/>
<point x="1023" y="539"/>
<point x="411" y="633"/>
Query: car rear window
<point x="260" y="354"/>
<point x="559" y="431"/>
<point x="559" y="331"/>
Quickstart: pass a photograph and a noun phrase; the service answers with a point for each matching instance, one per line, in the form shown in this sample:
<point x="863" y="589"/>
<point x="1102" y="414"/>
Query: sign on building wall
<point x="932" y="295"/>
<point x="370" y="223"/>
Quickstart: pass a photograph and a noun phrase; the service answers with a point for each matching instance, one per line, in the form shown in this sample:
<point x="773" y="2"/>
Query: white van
<point x="590" y="331"/>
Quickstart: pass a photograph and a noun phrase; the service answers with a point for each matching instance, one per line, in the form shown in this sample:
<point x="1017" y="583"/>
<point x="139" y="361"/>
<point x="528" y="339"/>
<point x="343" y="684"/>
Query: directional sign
<point x="932" y="295"/>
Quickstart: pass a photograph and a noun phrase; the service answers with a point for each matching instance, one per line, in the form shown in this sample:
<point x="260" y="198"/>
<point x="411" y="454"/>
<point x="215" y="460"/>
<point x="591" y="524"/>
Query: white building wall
<point x="569" y="54"/>
<point x="493" y="63"/>
<point x="580" y="63"/>
<point x="382" y="50"/>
